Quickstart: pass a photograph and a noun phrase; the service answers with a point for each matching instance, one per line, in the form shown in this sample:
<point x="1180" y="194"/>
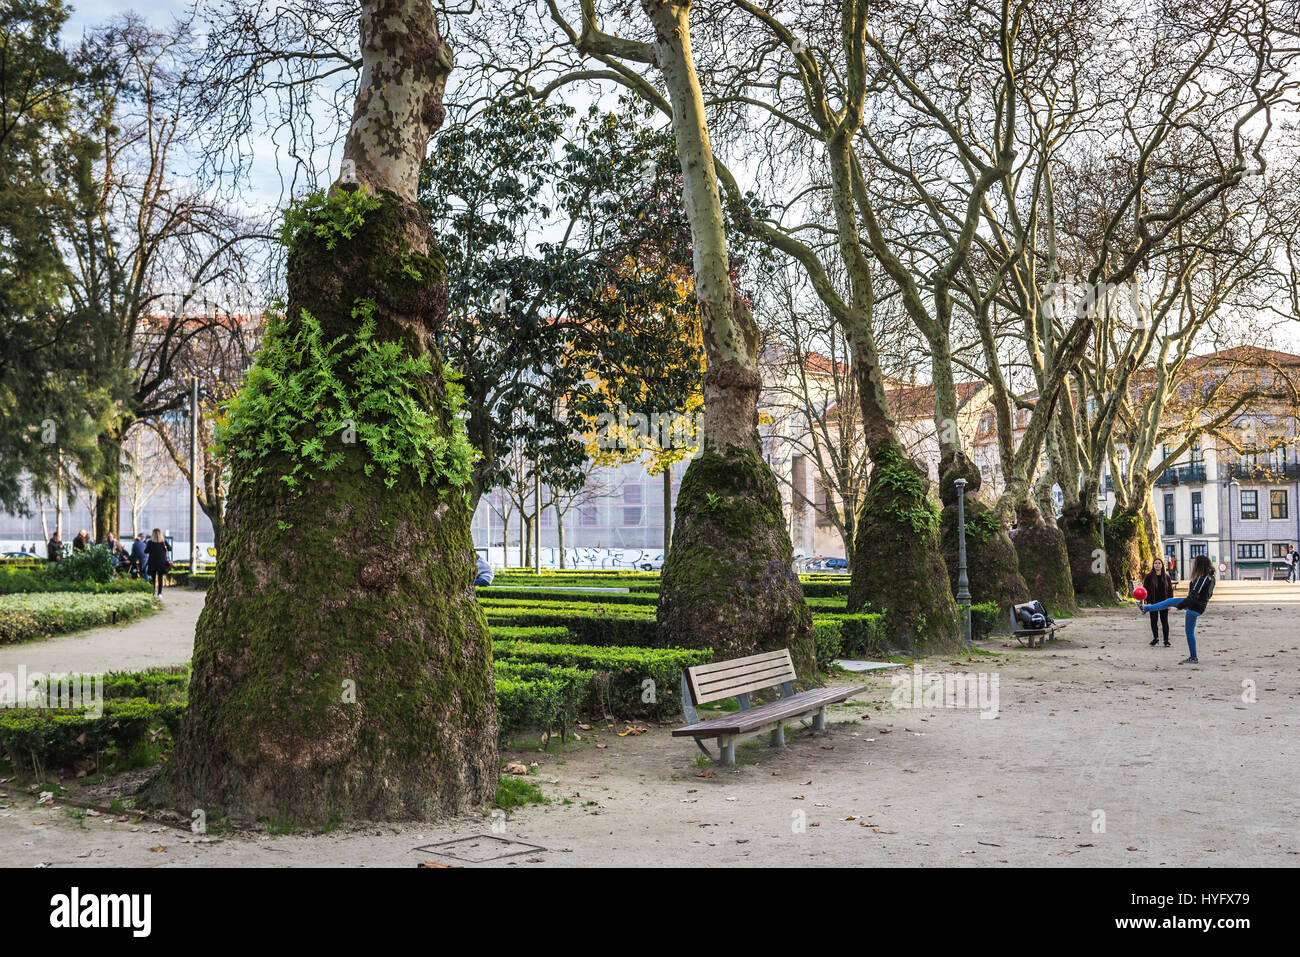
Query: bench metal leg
<point x="819" y="720"/>
<point x="777" y="738"/>
<point x="727" y="751"/>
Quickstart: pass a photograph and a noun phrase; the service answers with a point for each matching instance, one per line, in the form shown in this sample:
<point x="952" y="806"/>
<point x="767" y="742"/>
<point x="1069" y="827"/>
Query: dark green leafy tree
<point x="565" y="257"/>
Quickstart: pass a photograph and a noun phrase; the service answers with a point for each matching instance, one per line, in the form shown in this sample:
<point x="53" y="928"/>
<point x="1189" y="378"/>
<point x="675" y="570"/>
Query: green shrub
<point x="521" y="596"/>
<point x="36" y="739"/>
<point x="618" y="686"/>
<point x="93" y="564"/>
<point x="985" y="619"/>
<point x="538" y="696"/>
<point x="861" y="634"/>
<point x="829" y="640"/>
<point x="40" y="615"/>
<point x="590" y="623"/>
<point x="30" y="579"/>
<point x="553" y="634"/>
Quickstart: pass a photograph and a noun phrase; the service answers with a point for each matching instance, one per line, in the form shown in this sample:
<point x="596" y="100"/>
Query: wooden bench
<point x="738" y="677"/>
<point x="1030" y="635"/>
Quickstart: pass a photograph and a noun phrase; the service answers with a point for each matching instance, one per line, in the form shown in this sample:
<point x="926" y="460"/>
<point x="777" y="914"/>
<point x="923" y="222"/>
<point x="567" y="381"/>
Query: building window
<point x="1169" y="513"/>
<point x="1279" y="550"/>
<point x="632" y="510"/>
<point x="1277" y="503"/>
<point x="1249" y="505"/>
<point x="1249" y="551"/>
<point x="589" y="517"/>
<point x="1198" y="453"/>
<point x="1199" y="548"/>
<point x="1198" y="515"/>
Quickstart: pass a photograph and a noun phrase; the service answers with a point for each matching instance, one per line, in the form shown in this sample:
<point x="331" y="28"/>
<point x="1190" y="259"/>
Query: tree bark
<point x="342" y="668"/>
<point x="109" y="487"/>
<point x="729" y="582"/>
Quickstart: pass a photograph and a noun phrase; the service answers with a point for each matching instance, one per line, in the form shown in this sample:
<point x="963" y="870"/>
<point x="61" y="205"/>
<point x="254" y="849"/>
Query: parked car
<point x="836" y="565"/>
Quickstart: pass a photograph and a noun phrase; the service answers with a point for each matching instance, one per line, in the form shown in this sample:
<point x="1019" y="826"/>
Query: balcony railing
<point x="1264" y="472"/>
<point x="1183" y="475"/>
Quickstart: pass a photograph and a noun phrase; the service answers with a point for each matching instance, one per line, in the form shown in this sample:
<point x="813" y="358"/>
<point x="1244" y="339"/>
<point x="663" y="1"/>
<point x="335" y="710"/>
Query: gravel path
<point x="164" y="638"/>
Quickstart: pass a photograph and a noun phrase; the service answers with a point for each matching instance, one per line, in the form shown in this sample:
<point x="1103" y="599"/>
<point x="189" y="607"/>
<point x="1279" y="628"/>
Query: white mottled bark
<point x="404" y="67"/>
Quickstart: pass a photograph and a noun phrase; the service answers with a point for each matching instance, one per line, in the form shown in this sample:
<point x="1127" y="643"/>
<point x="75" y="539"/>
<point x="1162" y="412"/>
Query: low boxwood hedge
<point x="532" y="695"/>
<point x="40" y="615"/>
<point x="36" y="740"/>
<point x="589" y="623"/>
<point x="530" y="595"/>
<point x="619" y="685"/>
<point x="860" y="634"/>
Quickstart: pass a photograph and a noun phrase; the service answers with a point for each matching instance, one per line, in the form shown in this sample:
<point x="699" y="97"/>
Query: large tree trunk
<point x="109" y="487"/>
<point x="728" y="583"/>
<point x="992" y="564"/>
<point x="898" y="569"/>
<point x="1044" y="560"/>
<point x="1081" y="525"/>
<point x="1127" y="549"/>
<point x="342" y="668"/>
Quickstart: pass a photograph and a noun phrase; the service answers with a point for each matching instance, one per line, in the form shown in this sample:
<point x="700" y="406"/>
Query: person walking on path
<point x="1173" y="568"/>
<point x="1292" y="563"/>
<point x="139" y="558"/>
<point x="1159" y="586"/>
<point x="159" y="564"/>
<point x="1199" y="590"/>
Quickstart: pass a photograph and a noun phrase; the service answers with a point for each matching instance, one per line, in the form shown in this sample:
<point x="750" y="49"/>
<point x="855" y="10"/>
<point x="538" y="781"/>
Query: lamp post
<point x="194" y="475"/>
<point x="1232" y="555"/>
<point x="963" y="583"/>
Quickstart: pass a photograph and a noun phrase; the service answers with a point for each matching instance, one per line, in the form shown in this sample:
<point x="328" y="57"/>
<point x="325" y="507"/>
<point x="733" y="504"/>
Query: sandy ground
<point x="1103" y="752"/>
<point x="164" y="638"/>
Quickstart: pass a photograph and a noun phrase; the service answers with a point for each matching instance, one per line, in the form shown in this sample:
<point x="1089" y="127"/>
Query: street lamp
<point x="1232" y="555"/>
<point x="963" y="583"/>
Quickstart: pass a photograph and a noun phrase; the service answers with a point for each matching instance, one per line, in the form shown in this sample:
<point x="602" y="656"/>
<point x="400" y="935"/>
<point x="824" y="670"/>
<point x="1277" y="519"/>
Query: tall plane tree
<point x="342" y="668"/>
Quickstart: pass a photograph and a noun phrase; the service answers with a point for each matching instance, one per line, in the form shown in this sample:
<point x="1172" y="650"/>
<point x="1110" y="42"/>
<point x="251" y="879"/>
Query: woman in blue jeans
<point x="1199" y="590"/>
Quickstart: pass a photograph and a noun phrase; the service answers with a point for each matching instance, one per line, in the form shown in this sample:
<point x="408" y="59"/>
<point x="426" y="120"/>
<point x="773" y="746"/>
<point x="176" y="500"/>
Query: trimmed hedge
<point x="589" y="623"/>
<point x="28" y="580"/>
<point x="36" y="739"/>
<point x="528" y="596"/>
<point x="620" y="673"/>
<point x="538" y="696"/>
<point x="986" y="618"/>
<point x="859" y="635"/>
<point x="26" y="617"/>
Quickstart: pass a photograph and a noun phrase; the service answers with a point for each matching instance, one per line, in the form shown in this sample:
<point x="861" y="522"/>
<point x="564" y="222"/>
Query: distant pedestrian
<point x="139" y="558"/>
<point x="1292" y="563"/>
<point x="1199" y="590"/>
<point x="1173" y="568"/>
<point x="1159" y="586"/>
<point x="54" y="548"/>
<point x="159" y="563"/>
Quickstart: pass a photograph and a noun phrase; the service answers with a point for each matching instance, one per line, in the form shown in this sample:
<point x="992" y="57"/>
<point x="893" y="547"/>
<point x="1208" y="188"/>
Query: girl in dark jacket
<point x="1199" y="589"/>
<point x="159" y="564"/>
<point x="1159" y="587"/>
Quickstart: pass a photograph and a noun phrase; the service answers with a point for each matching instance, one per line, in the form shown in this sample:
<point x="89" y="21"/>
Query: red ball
<point x="1139" y="593"/>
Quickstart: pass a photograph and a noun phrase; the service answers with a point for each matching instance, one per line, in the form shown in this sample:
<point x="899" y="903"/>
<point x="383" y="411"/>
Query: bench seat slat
<point x="741" y="722"/>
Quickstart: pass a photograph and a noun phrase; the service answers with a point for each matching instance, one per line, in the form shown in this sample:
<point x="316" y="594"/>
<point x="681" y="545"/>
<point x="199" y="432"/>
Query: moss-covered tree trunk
<point x="342" y="668"/>
<point x="108" y="517"/>
<point x="1044" y="559"/>
<point x="1081" y="527"/>
<point x="1125" y="541"/>
<point x="728" y="581"/>
<point x="992" y="564"/>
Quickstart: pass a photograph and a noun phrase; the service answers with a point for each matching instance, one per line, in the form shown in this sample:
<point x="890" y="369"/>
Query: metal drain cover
<point x="480" y="848"/>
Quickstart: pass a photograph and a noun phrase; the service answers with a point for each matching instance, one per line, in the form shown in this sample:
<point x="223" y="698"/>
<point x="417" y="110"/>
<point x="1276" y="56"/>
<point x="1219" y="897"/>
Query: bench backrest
<point x="727" y="679"/>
